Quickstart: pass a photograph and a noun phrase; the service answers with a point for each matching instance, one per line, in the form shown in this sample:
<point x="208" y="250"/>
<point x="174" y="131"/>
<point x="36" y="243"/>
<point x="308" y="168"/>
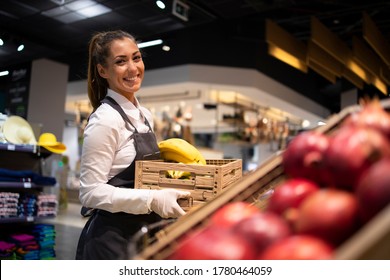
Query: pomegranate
<point x="373" y="189"/>
<point x="298" y="247"/>
<point x="372" y="115"/>
<point x="290" y="193"/>
<point x="214" y="244"/>
<point x="232" y="213"/>
<point x="262" y="229"/>
<point x="303" y="157"/>
<point x="351" y="151"/>
<point x="330" y="214"/>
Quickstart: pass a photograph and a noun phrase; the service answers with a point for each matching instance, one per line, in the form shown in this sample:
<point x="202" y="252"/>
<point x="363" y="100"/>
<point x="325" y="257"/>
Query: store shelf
<point x="18" y="185"/>
<point x="26" y="148"/>
<point x="30" y="219"/>
<point x="18" y="148"/>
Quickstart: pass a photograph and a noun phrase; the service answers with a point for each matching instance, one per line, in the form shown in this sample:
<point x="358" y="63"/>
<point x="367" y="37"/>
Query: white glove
<point x="164" y="202"/>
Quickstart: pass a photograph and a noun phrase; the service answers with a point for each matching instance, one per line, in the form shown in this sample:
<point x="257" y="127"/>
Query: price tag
<point x="30" y="219"/>
<point x="27" y="185"/>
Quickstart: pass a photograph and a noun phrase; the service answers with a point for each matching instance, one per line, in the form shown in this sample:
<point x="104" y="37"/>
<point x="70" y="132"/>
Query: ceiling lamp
<point x="375" y="39"/>
<point x="368" y="60"/>
<point x="20" y="47"/>
<point x="335" y="47"/>
<point x="385" y="74"/>
<point x="323" y="63"/>
<point x="353" y="78"/>
<point x="328" y="41"/>
<point x="379" y="84"/>
<point x="285" y="47"/>
<point x="160" y="4"/>
<point x="365" y="57"/>
<point x="150" y="43"/>
<point x="4" y="73"/>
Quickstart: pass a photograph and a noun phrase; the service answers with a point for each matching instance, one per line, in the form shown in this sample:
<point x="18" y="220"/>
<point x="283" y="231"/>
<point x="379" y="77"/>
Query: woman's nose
<point x="132" y="65"/>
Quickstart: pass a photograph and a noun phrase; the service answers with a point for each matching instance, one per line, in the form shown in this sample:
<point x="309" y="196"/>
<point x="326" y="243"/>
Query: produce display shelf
<point x="372" y="241"/>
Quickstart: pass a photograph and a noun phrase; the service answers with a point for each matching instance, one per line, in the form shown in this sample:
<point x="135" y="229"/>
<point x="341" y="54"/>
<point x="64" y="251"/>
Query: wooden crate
<point x="370" y="242"/>
<point x="204" y="183"/>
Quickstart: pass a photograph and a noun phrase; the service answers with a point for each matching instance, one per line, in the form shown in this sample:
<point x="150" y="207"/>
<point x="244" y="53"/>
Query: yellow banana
<point x="176" y="174"/>
<point x="179" y="150"/>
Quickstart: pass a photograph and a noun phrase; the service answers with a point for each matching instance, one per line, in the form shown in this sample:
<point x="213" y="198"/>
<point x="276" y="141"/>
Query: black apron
<point x="106" y="235"/>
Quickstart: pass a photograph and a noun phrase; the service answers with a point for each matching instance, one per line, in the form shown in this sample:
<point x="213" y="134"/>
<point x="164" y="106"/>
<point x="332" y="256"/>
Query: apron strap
<point x="110" y="101"/>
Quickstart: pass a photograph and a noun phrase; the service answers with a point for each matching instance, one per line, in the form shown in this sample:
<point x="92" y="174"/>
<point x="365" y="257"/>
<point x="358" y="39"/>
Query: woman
<point x="119" y="132"/>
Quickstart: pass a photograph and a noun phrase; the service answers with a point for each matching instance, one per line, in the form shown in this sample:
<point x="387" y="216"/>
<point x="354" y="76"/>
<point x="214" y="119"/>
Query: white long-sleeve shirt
<point x="106" y="151"/>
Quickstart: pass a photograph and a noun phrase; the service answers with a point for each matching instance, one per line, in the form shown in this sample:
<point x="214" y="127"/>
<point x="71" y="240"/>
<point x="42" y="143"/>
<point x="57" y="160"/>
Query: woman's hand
<point x="164" y="202"/>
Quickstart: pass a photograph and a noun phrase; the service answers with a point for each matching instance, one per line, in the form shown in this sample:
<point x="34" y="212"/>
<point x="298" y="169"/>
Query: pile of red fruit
<point x="335" y="183"/>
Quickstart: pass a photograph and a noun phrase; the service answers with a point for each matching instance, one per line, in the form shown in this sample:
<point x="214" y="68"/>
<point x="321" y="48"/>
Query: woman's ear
<point x="101" y="71"/>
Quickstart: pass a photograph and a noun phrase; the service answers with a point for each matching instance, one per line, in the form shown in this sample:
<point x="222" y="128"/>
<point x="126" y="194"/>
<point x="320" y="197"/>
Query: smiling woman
<point x="124" y="68"/>
<point x="119" y="132"/>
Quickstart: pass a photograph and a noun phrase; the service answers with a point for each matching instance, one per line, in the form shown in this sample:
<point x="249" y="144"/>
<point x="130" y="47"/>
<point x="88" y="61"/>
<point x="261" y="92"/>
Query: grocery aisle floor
<point x="68" y="226"/>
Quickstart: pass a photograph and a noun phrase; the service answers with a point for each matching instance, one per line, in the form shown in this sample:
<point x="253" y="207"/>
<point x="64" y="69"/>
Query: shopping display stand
<point x="24" y="157"/>
<point x="370" y="242"/>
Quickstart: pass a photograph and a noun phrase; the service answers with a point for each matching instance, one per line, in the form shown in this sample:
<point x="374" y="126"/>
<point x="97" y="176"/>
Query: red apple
<point x="304" y="157"/>
<point x="263" y="229"/>
<point x="373" y="189"/>
<point x="298" y="247"/>
<point x="232" y="213"/>
<point x="214" y="244"/>
<point x="330" y="214"/>
<point x="290" y="193"/>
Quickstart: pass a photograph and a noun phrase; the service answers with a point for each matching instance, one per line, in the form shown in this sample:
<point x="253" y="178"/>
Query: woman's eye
<point x="137" y="58"/>
<point x="120" y="61"/>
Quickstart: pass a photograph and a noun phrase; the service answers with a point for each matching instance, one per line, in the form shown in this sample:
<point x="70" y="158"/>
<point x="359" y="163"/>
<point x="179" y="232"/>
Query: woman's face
<point x="124" y="69"/>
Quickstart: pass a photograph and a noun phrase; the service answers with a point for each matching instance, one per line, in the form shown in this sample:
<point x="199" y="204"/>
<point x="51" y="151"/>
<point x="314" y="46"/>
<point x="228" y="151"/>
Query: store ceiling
<point x="218" y="32"/>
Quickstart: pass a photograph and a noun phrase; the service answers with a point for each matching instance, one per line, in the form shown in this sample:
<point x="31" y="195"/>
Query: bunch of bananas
<point x="180" y="151"/>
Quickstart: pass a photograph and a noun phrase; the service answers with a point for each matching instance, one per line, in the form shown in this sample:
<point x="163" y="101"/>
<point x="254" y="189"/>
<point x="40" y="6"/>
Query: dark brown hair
<point x="99" y="50"/>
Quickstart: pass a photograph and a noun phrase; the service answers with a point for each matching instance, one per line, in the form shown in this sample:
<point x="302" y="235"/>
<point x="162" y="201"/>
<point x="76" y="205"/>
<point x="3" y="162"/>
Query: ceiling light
<point x="76" y="11"/>
<point x="94" y="11"/>
<point x="324" y="72"/>
<point x="285" y="47"/>
<point x="58" y="2"/>
<point x="56" y="12"/>
<point x="78" y="5"/>
<point x="353" y="78"/>
<point x="375" y="39"/>
<point x="305" y="123"/>
<point x="320" y="123"/>
<point x="150" y="43"/>
<point x="385" y="74"/>
<point x="4" y="73"/>
<point x="20" y="47"/>
<point x="324" y="59"/>
<point x="328" y="41"/>
<point x="365" y="57"/>
<point x="379" y="84"/>
<point x="1" y="42"/>
<point x="358" y="70"/>
<point x="70" y="17"/>
<point x="286" y="58"/>
<point x="166" y="48"/>
<point x="160" y="4"/>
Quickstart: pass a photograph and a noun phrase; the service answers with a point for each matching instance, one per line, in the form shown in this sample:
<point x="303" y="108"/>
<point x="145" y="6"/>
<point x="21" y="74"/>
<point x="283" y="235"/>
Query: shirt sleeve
<point x="102" y="139"/>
